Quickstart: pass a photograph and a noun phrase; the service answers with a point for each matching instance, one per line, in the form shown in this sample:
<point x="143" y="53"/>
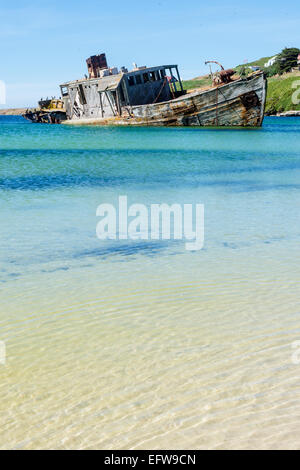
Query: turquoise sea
<point x="143" y="344"/>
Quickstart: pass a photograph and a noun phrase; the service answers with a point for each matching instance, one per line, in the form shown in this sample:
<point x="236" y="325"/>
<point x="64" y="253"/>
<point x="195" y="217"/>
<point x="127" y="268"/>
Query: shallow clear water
<point x="142" y="344"/>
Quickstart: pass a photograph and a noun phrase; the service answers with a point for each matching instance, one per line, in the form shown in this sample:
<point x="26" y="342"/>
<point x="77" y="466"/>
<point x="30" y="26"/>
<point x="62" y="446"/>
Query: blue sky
<point x="43" y="44"/>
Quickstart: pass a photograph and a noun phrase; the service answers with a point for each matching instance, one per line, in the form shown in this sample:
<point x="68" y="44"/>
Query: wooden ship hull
<point x="155" y="97"/>
<point x="45" y="117"/>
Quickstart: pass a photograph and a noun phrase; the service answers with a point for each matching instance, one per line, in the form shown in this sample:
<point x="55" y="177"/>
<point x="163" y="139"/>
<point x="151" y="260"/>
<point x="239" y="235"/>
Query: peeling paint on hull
<point x="238" y="104"/>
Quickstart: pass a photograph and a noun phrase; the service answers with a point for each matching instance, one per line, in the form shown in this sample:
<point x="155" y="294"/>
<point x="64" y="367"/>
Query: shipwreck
<point x="155" y="96"/>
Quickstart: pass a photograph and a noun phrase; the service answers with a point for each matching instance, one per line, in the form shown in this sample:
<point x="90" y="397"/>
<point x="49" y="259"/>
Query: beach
<point x="128" y="344"/>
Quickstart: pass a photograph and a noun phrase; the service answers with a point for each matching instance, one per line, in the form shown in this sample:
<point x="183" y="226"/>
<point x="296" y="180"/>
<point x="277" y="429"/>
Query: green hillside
<point x="199" y="82"/>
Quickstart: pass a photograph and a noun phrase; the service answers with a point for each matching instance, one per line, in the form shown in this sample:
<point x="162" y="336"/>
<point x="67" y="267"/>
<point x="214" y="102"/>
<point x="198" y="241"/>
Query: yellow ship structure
<point x="50" y="111"/>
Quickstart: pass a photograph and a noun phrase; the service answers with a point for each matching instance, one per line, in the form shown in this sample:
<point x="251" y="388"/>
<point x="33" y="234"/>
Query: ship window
<point x="152" y="76"/>
<point x="146" y="77"/>
<point x="131" y="80"/>
<point x="162" y="73"/>
<point x="138" y="79"/>
<point x="64" y="91"/>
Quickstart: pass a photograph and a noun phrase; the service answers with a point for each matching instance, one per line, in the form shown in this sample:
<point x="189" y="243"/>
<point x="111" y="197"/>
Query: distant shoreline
<point x="13" y="111"/>
<point x="287" y="114"/>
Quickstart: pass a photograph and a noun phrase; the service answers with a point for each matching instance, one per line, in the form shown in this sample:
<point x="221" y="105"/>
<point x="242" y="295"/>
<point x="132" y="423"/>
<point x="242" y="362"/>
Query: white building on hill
<point x="271" y="61"/>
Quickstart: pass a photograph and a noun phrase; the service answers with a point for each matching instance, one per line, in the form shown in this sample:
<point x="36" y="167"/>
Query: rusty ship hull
<point x="45" y="116"/>
<point x="50" y="111"/>
<point x="240" y="103"/>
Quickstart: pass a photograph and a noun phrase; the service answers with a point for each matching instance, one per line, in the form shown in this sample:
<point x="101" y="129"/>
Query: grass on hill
<point x="260" y="63"/>
<point x="199" y="82"/>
